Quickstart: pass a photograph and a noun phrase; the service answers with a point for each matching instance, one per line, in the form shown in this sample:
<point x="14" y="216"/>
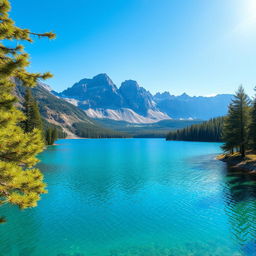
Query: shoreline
<point x="246" y="164"/>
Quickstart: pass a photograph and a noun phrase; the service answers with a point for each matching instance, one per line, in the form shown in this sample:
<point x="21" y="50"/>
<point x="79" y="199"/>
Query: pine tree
<point x="20" y="183"/>
<point x="51" y="135"/>
<point x="31" y="111"/>
<point x="54" y="135"/>
<point x="48" y="136"/>
<point x="35" y="117"/>
<point x="252" y="129"/>
<point x="235" y="132"/>
<point x="228" y="133"/>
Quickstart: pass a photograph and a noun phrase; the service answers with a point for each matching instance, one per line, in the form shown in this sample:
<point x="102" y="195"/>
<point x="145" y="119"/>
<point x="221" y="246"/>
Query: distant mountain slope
<point x="71" y="119"/>
<point x="126" y="114"/>
<point x="100" y="98"/>
<point x="184" y="106"/>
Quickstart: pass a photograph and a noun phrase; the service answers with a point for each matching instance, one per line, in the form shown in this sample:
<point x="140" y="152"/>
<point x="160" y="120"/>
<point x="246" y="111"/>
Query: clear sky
<point x="201" y="47"/>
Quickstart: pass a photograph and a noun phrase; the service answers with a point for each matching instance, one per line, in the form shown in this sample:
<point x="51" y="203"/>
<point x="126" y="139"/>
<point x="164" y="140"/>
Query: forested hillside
<point x="154" y="130"/>
<point x="66" y="117"/>
<point x="210" y="131"/>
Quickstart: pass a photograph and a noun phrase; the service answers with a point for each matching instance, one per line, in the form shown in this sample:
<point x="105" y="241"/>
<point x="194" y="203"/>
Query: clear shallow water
<point x="140" y="197"/>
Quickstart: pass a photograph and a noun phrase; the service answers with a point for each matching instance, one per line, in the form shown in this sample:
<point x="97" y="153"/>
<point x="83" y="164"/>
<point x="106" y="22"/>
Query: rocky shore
<point x="247" y="164"/>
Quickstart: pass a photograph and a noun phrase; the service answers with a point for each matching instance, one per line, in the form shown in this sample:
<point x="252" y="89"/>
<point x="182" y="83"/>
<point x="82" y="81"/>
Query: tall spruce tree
<point x="31" y="111"/>
<point x="252" y="129"/>
<point x="54" y="135"/>
<point x="235" y="131"/>
<point x="51" y="135"/>
<point x="228" y="132"/>
<point x="48" y="136"/>
<point x="20" y="183"/>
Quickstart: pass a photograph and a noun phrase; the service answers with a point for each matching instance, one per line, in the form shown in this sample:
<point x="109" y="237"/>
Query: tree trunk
<point x="242" y="150"/>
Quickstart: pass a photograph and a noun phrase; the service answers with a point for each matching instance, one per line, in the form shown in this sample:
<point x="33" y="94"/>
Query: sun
<point x="247" y="17"/>
<point x="251" y="10"/>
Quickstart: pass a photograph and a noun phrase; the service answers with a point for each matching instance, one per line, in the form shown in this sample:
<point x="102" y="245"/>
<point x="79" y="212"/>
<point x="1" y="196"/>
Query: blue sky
<point x="195" y="46"/>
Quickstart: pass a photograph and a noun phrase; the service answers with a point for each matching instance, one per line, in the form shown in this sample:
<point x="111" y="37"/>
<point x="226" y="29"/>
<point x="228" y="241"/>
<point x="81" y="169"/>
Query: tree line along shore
<point x="237" y="131"/>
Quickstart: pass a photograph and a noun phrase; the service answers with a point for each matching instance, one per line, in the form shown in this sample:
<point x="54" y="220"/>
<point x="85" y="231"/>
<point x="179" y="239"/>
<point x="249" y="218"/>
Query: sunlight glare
<point x="252" y="10"/>
<point x="247" y="17"/>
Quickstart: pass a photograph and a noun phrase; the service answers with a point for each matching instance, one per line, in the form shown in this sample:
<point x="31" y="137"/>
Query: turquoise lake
<point x="139" y="197"/>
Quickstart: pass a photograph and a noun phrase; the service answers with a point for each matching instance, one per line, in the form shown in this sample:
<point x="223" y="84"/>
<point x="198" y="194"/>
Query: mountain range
<point x="100" y="98"/>
<point x="65" y="116"/>
<point x="97" y="108"/>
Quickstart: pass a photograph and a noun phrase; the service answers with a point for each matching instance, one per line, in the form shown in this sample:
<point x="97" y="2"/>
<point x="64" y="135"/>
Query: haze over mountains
<point x="100" y="98"/>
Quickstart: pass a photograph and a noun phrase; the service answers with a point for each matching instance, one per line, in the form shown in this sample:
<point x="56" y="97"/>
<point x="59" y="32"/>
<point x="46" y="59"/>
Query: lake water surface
<point x="139" y="197"/>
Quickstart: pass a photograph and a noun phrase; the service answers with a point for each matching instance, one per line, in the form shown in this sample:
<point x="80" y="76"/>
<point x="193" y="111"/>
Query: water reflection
<point x="240" y="197"/>
<point x="134" y="197"/>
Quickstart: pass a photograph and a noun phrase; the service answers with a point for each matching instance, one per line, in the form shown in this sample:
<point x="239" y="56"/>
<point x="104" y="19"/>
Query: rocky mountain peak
<point x="163" y="96"/>
<point x="184" y="96"/>
<point x="130" y="85"/>
<point x="103" y="79"/>
<point x="136" y="97"/>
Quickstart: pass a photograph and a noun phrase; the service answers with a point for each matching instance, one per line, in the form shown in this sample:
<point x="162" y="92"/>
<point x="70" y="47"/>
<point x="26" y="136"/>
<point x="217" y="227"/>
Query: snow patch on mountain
<point x="126" y="114"/>
<point x="72" y="101"/>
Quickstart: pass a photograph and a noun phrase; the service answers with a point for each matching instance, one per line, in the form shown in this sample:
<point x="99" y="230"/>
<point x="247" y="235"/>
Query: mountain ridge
<point x="100" y="98"/>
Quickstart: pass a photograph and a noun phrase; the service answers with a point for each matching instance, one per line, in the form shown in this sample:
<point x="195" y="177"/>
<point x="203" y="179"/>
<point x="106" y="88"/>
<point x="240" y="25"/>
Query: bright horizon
<point x="177" y="46"/>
